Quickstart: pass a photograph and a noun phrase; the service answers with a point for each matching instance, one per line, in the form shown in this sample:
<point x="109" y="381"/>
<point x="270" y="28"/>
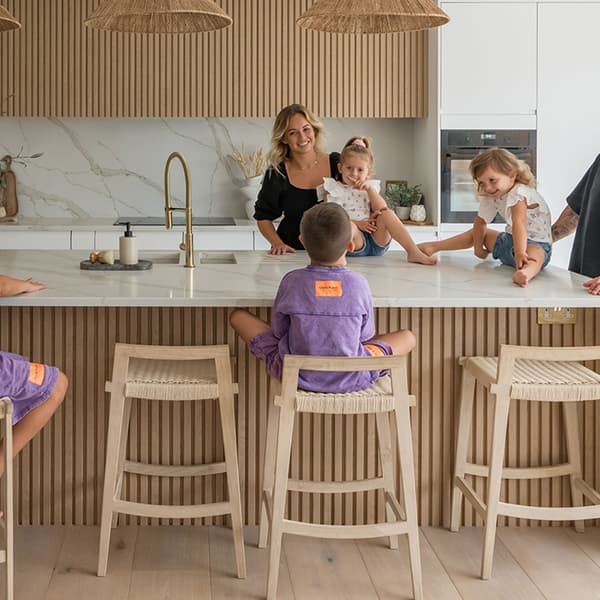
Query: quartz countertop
<point x="459" y="280"/>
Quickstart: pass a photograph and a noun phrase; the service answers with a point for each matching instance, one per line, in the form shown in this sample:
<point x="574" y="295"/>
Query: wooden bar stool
<point x="172" y="374"/>
<point x="524" y="373"/>
<point x="388" y="396"/>
<point x="7" y="554"/>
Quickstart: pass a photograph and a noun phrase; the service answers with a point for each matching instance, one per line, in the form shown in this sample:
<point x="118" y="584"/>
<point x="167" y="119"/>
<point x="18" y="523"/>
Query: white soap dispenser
<point x="128" y="252"/>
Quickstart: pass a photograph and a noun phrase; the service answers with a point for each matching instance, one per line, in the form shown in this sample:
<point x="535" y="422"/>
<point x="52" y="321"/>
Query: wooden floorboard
<point x="182" y="563"/>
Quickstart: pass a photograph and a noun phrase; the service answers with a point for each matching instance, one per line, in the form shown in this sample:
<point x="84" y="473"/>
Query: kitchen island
<point x="463" y="306"/>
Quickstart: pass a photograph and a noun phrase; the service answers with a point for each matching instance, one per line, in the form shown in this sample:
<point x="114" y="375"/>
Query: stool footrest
<point x="397" y="508"/>
<point x="471" y="495"/>
<point x="587" y="490"/>
<point x="335" y="487"/>
<point x="521" y="472"/>
<point x="190" y="511"/>
<point x="549" y="513"/>
<point x="346" y="532"/>
<point x="140" y="468"/>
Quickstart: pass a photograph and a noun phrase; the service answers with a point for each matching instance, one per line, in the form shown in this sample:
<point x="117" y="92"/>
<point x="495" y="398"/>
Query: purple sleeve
<point x="280" y="322"/>
<point x="368" y="328"/>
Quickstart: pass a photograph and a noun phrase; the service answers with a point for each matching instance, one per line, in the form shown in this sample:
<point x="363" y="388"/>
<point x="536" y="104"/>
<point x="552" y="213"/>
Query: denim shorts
<point x="371" y="248"/>
<point x="504" y="249"/>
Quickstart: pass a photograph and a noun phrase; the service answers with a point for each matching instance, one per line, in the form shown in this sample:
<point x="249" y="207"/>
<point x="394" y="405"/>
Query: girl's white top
<point x="538" y="213"/>
<point x="355" y="202"/>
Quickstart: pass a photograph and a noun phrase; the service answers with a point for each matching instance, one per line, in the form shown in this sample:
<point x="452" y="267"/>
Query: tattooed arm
<point x="565" y="224"/>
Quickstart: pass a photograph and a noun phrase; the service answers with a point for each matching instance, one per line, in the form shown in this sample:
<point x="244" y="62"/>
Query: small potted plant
<point x="401" y="197"/>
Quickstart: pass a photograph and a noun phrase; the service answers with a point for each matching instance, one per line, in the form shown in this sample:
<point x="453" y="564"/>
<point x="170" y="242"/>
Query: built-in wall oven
<point x="458" y="199"/>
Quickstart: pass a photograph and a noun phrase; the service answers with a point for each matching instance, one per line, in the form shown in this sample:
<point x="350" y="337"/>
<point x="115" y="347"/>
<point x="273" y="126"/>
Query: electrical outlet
<point x="556" y="316"/>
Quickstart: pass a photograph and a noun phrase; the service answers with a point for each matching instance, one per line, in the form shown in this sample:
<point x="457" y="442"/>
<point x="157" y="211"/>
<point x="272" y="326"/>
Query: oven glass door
<point x="462" y="188"/>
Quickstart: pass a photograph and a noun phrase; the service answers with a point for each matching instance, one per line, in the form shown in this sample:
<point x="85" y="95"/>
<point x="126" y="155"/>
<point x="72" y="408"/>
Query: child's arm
<point x="10" y="286"/>
<point x="479" y="229"/>
<point x="377" y="203"/>
<point x="519" y="233"/>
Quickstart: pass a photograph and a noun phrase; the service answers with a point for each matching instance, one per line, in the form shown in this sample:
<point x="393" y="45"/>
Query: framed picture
<point x="392" y="186"/>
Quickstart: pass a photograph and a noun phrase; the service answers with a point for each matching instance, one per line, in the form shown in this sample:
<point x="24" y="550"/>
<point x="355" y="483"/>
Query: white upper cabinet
<point x="488" y="65"/>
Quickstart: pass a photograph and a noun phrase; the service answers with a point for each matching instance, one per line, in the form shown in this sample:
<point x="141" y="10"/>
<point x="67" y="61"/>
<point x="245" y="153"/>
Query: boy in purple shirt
<point x="323" y="309"/>
<point x="36" y="390"/>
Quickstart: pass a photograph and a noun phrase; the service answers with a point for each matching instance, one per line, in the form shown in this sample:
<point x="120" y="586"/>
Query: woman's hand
<point x="593" y="286"/>
<point x="366" y="225"/>
<point x="282" y="248"/>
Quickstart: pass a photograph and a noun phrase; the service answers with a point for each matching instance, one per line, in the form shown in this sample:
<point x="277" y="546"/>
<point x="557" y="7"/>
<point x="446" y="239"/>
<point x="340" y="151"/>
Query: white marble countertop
<point x="107" y="224"/>
<point x="459" y="280"/>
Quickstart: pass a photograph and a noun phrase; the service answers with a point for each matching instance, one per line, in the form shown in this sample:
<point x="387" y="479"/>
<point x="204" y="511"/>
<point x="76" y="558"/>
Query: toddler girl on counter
<point x="373" y="224"/>
<point x="506" y="186"/>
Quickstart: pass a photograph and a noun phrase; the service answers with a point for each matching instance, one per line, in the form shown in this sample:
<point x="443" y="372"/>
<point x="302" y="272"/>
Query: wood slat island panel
<point x="59" y="475"/>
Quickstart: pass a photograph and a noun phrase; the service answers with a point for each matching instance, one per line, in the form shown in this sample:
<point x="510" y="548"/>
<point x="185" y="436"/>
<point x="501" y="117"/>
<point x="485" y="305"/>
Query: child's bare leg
<point x="536" y="259"/>
<point x="357" y="237"/>
<point x="388" y="224"/>
<point x="462" y="241"/>
<point x="401" y="342"/>
<point x="34" y="420"/>
<point x="246" y="324"/>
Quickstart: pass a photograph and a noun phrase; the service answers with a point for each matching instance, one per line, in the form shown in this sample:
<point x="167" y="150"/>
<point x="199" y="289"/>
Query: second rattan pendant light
<point x="372" y="16"/>
<point x="159" y="16"/>
<point x="7" y="21"/>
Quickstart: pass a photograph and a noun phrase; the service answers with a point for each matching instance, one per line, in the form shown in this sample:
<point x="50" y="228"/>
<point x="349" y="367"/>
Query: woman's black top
<point x="278" y="197"/>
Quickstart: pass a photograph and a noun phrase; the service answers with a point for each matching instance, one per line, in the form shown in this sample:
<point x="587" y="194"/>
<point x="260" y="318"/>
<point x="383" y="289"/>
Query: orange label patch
<point x="36" y="373"/>
<point x="374" y="350"/>
<point x="328" y="288"/>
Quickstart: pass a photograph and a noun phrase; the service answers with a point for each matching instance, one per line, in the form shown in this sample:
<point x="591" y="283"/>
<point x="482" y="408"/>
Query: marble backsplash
<point x="115" y="167"/>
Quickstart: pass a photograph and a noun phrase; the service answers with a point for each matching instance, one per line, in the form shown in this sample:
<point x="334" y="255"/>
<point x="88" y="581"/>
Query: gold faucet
<point x="187" y="242"/>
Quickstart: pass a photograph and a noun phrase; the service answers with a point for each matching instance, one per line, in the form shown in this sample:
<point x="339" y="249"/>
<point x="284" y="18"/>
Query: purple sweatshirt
<point x="325" y="311"/>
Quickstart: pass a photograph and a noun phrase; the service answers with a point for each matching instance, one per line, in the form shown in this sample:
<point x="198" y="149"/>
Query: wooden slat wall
<point x="59" y="475"/>
<point x="55" y="66"/>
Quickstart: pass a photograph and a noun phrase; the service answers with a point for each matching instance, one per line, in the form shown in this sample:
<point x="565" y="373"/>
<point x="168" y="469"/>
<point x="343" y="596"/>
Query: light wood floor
<point x="173" y="563"/>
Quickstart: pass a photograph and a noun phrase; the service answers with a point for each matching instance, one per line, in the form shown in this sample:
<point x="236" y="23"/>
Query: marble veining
<point x="459" y="280"/>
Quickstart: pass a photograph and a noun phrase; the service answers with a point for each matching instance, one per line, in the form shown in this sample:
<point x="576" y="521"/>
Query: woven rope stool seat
<point x="7" y="553"/>
<point x="169" y="374"/>
<point x="532" y="374"/>
<point x="387" y="398"/>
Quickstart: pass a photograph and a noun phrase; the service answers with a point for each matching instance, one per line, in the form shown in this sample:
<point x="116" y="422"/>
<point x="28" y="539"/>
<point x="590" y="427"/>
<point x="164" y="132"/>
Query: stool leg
<point x="465" y="420"/>
<point x="282" y="465"/>
<point x="233" y="480"/>
<point x="8" y="507"/>
<point x="113" y="444"/>
<point x="122" y="451"/>
<point x="387" y="467"/>
<point x="266" y="504"/>
<point x="405" y="450"/>
<point x="574" y="456"/>
<point x="496" y="461"/>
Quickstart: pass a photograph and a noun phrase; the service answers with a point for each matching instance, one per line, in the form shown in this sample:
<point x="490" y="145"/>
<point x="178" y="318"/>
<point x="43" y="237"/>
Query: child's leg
<point x="532" y="268"/>
<point x="401" y="342"/>
<point x="358" y="239"/>
<point x="388" y="224"/>
<point x="33" y="421"/>
<point x="462" y="241"/>
<point x="246" y="324"/>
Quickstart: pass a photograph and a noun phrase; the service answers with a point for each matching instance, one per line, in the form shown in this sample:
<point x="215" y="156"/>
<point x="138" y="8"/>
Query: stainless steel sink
<point x="202" y="258"/>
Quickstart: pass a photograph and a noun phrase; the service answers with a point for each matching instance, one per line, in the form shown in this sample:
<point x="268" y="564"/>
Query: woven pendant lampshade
<point x="7" y="21"/>
<point x="159" y="16"/>
<point x="372" y="16"/>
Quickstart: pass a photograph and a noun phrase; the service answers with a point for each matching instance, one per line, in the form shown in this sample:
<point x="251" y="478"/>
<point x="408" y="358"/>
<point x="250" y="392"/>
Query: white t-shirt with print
<point x="355" y="202"/>
<point x="538" y="213"/>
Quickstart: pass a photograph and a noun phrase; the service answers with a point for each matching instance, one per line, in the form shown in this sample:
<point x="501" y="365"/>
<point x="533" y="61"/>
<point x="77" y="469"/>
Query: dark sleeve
<point x="268" y="206"/>
<point x="334" y="159"/>
<point x="575" y="198"/>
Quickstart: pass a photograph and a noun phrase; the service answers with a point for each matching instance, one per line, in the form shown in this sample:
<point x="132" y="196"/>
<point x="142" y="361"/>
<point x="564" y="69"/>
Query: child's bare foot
<point x="426" y="248"/>
<point x="521" y="278"/>
<point x="418" y="256"/>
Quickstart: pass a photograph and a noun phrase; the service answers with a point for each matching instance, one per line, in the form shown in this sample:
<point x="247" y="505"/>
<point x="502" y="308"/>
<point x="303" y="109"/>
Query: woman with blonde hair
<point x="298" y="165"/>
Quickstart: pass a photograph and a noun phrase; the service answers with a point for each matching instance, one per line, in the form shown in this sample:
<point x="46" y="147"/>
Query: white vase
<point x="418" y="213"/>
<point x="250" y="191"/>
<point x="403" y="212"/>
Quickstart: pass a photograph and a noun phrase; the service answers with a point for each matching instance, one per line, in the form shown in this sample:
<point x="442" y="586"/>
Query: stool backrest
<point x="293" y="363"/>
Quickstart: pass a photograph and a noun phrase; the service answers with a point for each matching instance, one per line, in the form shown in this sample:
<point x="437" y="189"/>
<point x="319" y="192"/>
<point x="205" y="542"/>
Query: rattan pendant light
<point x="372" y="16"/>
<point x="159" y="16"/>
<point x="7" y="21"/>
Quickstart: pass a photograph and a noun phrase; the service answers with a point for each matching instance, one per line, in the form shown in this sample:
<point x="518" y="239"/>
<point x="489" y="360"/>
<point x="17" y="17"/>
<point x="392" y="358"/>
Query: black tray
<point x="142" y="265"/>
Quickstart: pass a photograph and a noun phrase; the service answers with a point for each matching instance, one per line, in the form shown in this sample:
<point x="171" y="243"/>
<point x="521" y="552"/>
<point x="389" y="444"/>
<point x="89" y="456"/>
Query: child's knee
<point x="60" y="389"/>
<point x="236" y="317"/>
<point x="410" y="339"/>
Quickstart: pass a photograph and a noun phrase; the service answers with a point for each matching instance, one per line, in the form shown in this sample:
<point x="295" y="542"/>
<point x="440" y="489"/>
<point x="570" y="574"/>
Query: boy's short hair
<point x="326" y="232"/>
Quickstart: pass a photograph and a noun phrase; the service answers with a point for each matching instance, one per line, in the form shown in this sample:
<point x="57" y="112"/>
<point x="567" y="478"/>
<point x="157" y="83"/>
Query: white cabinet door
<point x="569" y="102"/>
<point x="488" y="60"/>
<point x="35" y="240"/>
